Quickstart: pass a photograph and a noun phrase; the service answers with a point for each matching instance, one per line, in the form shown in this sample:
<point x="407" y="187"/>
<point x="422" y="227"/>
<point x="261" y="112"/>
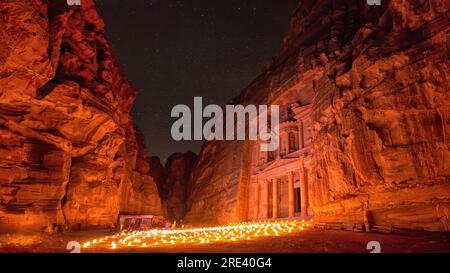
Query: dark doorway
<point x="298" y="200"/>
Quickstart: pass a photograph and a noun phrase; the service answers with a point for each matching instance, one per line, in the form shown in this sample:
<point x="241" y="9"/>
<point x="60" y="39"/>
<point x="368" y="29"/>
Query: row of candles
<point x="205" y="235"/>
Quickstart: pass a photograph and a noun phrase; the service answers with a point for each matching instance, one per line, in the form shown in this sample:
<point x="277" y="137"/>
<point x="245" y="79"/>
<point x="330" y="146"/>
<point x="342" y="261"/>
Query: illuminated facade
<point x="279" y="180"/>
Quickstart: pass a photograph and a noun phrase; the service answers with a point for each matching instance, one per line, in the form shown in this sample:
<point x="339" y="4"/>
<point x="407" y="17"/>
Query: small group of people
<point x="174" y="224"/>
<point x="146" y="222"/>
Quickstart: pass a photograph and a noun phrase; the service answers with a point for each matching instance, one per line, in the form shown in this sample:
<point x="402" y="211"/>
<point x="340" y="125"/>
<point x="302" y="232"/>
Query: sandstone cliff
<point x="377" y="80"/>
<point x="68" y="151"/>
<point x="175" y="185"/>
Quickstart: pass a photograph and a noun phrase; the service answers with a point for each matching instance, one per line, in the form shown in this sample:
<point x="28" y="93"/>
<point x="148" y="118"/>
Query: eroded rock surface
<point x="69" y="155"/>
<point x="175" y="186"/>
<point x="377" y="78"/>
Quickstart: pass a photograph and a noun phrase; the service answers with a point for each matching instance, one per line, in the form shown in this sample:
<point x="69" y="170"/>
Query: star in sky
<point x="173" y="50"/>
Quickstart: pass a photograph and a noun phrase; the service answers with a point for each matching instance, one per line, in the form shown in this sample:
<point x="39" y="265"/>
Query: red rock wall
<point x="68" y="150"/>
<point x="378" y="76"/>
<point x="174" y="182"/>
<point x="176" y="186"/>
<point x="218" y="194"/>
<point x="381" y="133"/>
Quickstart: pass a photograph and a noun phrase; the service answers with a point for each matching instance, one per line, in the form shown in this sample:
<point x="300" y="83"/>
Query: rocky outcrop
<point x="176" y="185"/>
<point x="139" y="193"/>
<point x="218" y="184"/>
<point x="377" y="80"/>
<point x="157" y="171"/>
<point x="381" y="132"/>
<point x="68" y="150"/>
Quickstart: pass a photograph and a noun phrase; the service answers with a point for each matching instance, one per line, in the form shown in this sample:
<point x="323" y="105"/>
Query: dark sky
<point x="174" y="50"/>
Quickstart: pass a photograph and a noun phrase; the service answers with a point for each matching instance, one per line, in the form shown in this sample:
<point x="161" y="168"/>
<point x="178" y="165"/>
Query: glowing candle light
<point x="202" y="235"/>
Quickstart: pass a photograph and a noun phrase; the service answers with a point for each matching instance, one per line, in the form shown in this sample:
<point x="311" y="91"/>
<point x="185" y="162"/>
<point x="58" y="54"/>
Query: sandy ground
<point x="304" y="241"/>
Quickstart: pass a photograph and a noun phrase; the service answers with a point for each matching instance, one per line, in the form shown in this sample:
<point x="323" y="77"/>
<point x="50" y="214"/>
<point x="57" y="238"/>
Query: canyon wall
<point x="381" y="127"/>
<point x="176" y="185"/>
<point x="69" y="154"/>
<point x="376" y="78"/>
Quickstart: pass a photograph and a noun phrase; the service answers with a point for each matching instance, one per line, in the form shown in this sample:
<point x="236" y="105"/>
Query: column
<point x="264" y="202"/>
<point x="274" y="198"/>
<point x="304" y="193"/>
<point x="285" y="141"/>
<point x="282" y="145"/>
<point x="307" y="137"/>
<point x="301" y="137"/>
<point x="291" y="194"/>
<point x="258" y="198"/>
<point x="296" y="140"/>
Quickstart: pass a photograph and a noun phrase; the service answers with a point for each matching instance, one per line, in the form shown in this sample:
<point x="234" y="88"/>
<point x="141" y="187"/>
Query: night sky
<point x="174" y="50"/>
